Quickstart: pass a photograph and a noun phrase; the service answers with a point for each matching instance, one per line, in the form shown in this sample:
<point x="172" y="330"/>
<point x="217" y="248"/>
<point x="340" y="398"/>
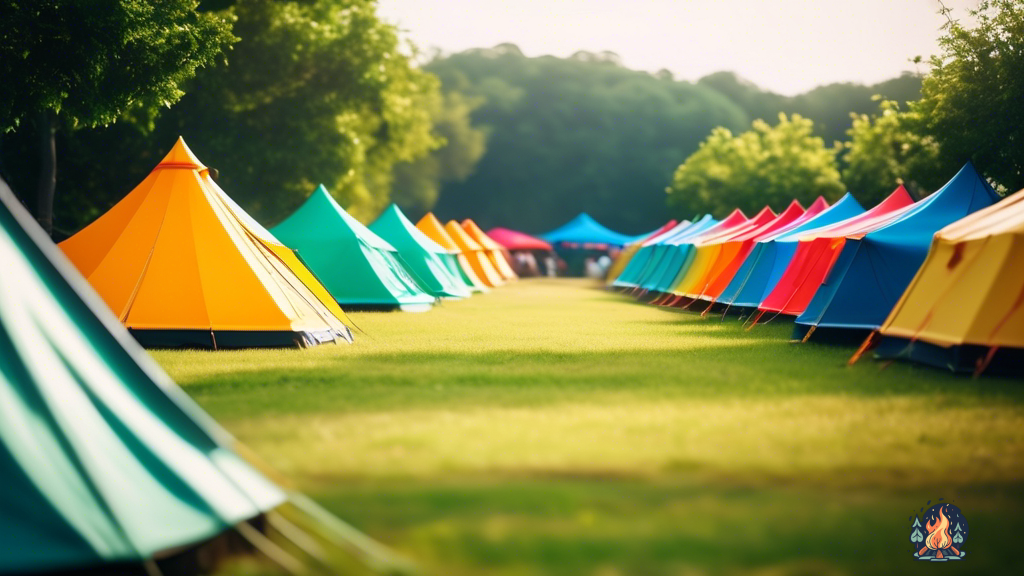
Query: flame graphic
<point x="938" y="533"/>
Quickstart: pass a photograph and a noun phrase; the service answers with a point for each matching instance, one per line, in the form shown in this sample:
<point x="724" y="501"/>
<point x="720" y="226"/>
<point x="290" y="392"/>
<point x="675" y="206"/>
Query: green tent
<point x="356" y="266"/>
<point x="104" y="460"/>
<point x="425" y="258"/>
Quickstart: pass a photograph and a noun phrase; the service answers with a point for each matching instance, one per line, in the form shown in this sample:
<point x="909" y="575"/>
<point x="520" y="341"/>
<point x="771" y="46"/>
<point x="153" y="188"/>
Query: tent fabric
<point x="679" y="253"/>
<point x="874" y="268"/>
<point x="434" y="230"/>
<point x="660" y="261"/>
<point x="770" y="257"/>
<point x="514" y="240"/>
<point x="818" y="249"/>
<point x="968" y="293"/>
<point x="496" y="253"/>
<point x="105" y="461"/>
<point x="475" y="254"/>
<point x="180" y="264"/>
<point x="624" y="257"/>
<point x="735" y="252"/>
<point x="358" y="267"/>
<point x="585" y="232"/>
<point x="707" y="249"/>
<point x="637" y="267"/>
<point x="424" y="257"/>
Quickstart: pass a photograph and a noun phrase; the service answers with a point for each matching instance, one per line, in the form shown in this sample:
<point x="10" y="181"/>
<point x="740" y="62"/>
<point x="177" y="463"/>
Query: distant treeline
<point x="586" y="133"/>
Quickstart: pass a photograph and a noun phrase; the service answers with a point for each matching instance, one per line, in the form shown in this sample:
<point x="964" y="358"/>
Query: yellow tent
<point x="434" y="230"/>
<point x="475" y="253"/>
<point x="967" y="299"/>
<point x="496" y="253"/>
<point x="180" y="264"/>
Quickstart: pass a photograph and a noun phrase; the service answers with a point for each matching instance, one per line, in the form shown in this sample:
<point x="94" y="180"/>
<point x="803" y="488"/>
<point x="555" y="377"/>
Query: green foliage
<point x="314" y="92"/>
<point x="766" y="165"/>
<point x="829" y="107"/>
<point x="888" y="149"/>
<point x="572" y="134"/>
<point x="92" y="63"/>
<point x="973" y="99"/>
<point x="418" y="184"/>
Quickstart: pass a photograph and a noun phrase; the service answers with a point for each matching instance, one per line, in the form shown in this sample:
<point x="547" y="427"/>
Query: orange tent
<point x="475" y="253"/>
<point x="180" y="264"/>
<point x="434" y="230"/>
<point x="496" y="253"/>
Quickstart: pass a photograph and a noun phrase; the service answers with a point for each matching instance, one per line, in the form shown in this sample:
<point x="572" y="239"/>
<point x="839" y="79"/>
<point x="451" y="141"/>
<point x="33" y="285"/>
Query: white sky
<point x="787" y="46"/>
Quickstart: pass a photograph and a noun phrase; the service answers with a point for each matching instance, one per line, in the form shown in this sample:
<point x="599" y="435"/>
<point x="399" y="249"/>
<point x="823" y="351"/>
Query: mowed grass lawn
<point x="553" y="428"/>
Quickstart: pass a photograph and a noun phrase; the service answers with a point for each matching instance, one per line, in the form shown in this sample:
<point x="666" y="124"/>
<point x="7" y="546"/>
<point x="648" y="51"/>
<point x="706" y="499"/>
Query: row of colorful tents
<point x="108" y="466"/>
<point x="937" y="280"/>
<point x="181" y="264"/>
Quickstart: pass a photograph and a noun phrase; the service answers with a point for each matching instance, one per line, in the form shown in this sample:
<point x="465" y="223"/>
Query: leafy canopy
<point x="766" y="165"/>
<point x="887" y="149"/>
<point x="572" y="134"/>
<point x="92" y="63"/>
<point x="973" y="99"/>
<point x="314" y="92"/>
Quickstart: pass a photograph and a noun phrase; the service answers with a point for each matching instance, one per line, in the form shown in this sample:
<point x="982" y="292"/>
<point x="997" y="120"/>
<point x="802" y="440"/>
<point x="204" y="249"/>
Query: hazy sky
<point x="787" y="46"/>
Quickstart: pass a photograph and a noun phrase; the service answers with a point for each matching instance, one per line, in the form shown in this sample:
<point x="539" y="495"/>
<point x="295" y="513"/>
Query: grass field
<point x="552" y="428"/>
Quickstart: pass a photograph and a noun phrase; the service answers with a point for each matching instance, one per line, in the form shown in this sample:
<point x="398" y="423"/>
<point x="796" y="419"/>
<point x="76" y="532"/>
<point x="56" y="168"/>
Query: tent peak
<point x="181" y="156"/>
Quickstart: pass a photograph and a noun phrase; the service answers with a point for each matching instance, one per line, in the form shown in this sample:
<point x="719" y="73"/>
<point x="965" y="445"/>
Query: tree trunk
<point x="46" y="129"/>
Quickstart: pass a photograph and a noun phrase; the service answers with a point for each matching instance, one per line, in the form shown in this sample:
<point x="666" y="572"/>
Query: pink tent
<point x="517" y="240"/>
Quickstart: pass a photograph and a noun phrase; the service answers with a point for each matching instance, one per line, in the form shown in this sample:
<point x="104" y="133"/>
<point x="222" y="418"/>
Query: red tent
<point x="517" y="240"/>
<point x="818" y="250"/>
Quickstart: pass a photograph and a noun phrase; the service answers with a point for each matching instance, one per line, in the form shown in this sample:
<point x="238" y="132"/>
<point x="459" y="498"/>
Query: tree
<point x="766" y="165"/>
<point x="572" y="134"/>
<point x="418" y="184"/>
<point x="314" y="92"/>
<point x="973" y="99"/>
<point x="70" y="63"/>
<point x="888" y="149"/>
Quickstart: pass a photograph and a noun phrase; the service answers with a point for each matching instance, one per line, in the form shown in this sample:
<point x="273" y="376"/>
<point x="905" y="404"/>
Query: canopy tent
<point x="434" y="230"/>
<point x="586" y="233"/>
<point x="735" y="252"/>
<point x="965" y="306"/>
<point x="434" y="267"/>
<point x="639" y="266"/>
<point x="627" y="254"/>
<point x="874" y="267"/>
<point x="475" y="254"/>
<point x="724" y="257"/>
<point x="678" y="253"/>
<point x="513" y="240"/>
<point x="106" y="463"/>
<point x="703" y="251"/>
<point x="358" y="267"/>
<point x="817" y="251"/>
<point x="496" y="253"/>
<point x="180" y="264"/>
<point x="771" y="256"/>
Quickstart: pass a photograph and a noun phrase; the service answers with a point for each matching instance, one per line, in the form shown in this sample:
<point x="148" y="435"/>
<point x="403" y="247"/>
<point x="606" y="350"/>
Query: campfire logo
<point x="941" y="536"/>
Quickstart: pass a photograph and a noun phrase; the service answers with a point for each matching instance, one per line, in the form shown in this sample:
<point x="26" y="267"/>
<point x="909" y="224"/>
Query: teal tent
<point x="105" y="462"/>
<point x="434" y="267"/>
<point x="356" y="266"/>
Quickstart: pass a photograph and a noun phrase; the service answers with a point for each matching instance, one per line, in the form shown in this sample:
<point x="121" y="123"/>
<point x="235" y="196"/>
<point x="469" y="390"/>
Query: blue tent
<point x="768" y="260"/>
<point x="638" y="263"/>
<point x="585" y="230"/>
<point x="872" y="271"/>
